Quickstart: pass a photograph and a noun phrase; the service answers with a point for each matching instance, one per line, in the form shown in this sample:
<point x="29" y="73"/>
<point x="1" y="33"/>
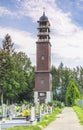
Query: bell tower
<point x="43" y="78"/>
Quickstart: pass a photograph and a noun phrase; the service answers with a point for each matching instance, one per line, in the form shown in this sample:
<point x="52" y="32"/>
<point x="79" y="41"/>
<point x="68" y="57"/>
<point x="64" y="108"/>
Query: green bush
<point x="58" y="104"/>
<point x="50" y="103"/>
<point x="79" y="111"/>
<point x="72" y="94"/>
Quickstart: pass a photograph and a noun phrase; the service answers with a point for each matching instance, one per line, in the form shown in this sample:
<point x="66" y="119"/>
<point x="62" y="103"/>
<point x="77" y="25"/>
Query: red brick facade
<point x="43" y="78"/>
<point x="43" y="50"/>
<point x="43" y="81"/>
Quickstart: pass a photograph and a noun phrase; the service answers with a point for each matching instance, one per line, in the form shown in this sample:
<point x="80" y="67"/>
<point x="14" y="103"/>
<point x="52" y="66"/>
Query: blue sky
<point x="19" y="19"/>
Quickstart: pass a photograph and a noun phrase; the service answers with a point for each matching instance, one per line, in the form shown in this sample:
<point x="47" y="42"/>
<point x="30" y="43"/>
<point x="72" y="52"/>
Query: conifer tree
<point x="8" y="45"/>
<point x="72" y="94"/>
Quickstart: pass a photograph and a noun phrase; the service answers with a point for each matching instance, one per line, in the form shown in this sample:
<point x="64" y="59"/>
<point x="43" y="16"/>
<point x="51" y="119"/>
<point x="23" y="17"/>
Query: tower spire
<point x="43" y="10"/>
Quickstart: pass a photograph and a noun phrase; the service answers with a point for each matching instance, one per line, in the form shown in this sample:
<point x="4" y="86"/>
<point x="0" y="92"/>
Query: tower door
<point x="42" y="100"/>
<point x="42" y="97"/>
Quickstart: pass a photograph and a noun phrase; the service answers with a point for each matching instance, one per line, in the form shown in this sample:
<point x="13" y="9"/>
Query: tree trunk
<point x="2" y="98"/>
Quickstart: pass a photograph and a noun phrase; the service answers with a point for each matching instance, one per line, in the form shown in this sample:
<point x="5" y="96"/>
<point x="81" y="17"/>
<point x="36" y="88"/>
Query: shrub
<point x="50" y="103"/>
<point x="79" y="111"/>
<point x="58" y="104"/>
<point x="72" y="94"/>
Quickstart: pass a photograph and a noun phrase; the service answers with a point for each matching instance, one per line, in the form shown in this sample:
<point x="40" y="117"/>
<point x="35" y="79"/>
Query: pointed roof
<point x="43" y="17"/>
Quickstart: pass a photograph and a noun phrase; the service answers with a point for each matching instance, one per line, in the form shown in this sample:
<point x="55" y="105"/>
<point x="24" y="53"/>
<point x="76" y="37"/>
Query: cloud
<point x="68" y="46"/>
<point x="24" y="40"/>
<point x="18" y="0"/>
<point x="66" y="36"/>
<point x="5" y="11"/>
<point x="60" y="22"/>
<point x="67" y="61"/>
<point x="79" y="4"/>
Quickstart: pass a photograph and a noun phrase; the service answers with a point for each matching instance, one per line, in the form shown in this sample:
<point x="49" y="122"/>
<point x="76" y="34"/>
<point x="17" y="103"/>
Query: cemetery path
<point x="67" y="120"/>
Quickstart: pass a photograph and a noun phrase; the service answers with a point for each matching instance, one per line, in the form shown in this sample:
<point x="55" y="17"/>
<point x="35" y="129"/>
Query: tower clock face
<point x="42" y="81"/>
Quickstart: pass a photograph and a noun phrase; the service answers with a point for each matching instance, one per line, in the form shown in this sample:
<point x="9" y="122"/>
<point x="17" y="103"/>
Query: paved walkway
<point x="67" y="120"/>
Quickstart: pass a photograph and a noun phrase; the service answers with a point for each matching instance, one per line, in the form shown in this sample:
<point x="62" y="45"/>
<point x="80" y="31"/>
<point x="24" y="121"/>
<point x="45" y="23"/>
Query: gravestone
<point x="4" y="111"/>
<point x="33" y="114"/>
<point x="23" y="107"/>
<point x="12" y="111"/>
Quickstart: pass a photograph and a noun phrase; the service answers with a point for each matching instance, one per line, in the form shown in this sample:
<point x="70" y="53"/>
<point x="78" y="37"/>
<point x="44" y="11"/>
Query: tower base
<point x="43" y="97"/>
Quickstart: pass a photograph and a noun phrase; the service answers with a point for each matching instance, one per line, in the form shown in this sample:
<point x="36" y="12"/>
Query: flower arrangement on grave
<point x="18" y="111"/>
<point x="26" y="112"/>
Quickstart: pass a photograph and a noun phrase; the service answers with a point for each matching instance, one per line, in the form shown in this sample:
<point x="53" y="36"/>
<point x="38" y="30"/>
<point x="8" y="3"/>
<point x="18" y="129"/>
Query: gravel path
<point x="67" y="120"/>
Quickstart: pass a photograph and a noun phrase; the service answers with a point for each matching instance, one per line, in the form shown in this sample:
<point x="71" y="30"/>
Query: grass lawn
<point x="79" y="111"/>
<point x="24" y="128"/>
<point x="43" y="123"/>
<point x="46" y="120"/>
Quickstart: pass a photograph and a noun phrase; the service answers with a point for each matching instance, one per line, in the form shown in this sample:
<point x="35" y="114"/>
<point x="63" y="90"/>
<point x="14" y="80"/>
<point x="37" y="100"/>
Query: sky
<point x="19" y="18"/>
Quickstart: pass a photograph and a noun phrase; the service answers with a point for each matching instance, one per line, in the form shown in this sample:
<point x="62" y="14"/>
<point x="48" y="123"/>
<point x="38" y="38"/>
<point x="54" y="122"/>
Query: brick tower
<point x="43" y="78"/>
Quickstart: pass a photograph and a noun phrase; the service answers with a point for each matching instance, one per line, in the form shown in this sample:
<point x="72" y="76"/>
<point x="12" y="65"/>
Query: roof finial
<point x="43" y="10"/>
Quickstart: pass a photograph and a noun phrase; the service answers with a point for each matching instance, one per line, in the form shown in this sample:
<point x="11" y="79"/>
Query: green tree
<point x="60" y="80"/>
<point x="24" y="76"/>
<point x="55" y="78"/>
<point x="7" y="44"/>
<point x="72" y="93"/>
<point x="16" y="72"/>
<point x="6" y="73"/>
<point x="81" y="80"/>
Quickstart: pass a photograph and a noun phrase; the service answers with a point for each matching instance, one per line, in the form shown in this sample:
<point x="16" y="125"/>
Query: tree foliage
<point x="72" y="94"/>
<point x="16" y="74"/>
<point x="24" y="76"/>
<point x="6" y="72"/>
<point x="8" y="45"/>
<point x="61" y="77"/>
